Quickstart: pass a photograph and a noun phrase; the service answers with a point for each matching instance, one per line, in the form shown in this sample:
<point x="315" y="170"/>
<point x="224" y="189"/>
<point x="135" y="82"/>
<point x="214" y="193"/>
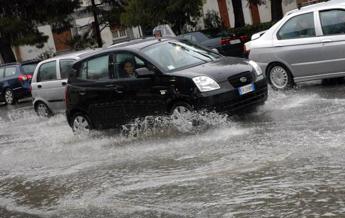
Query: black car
<point x="227" y="44"/>
<point x="15" y="80"/>
<point x="155" y="77"/>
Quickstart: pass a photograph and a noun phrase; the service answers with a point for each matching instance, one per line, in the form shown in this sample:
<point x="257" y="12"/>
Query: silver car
<point x="49" y="81"/>
<point x="307" y="44"/>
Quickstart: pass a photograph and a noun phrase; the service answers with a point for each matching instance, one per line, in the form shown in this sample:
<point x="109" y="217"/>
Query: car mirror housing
<point x="144" y="72"/>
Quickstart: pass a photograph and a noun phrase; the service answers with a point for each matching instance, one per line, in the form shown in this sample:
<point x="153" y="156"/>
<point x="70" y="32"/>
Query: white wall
<point x="31" y="52"/>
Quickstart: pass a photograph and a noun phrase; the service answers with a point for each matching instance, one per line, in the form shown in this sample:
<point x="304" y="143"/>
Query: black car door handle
<point x="63" y="83"/>
<point x="39" y="86"/>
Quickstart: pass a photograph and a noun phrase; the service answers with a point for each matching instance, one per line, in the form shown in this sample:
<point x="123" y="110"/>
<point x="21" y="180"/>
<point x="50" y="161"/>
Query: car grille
<point x="236" y="82"/>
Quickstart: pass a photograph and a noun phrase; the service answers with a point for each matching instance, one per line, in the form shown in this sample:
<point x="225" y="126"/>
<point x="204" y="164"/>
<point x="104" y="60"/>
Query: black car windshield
<point x="177" y="55"/>
<point x="28" y="68"/>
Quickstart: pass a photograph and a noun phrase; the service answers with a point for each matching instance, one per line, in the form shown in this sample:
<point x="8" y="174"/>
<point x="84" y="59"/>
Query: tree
<point x="177" y="13"/>
<point x="19" y="21"/>
<point x="106" y="13"/>
<point x="212" y="20"/>
<point x="276" y="10"/>
<point x="238" y="13"/>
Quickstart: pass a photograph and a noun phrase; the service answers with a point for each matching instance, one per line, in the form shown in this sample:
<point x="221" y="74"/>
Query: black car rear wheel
<point x="81" y="124"/>
<point x="9" y="97"/>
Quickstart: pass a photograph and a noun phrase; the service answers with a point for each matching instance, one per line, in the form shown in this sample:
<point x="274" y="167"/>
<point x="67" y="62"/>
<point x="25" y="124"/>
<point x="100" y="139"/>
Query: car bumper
<point x="232" y="101"/>
<point x="21" y="92"/>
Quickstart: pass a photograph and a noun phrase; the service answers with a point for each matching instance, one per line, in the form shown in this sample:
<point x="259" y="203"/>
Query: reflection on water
<point x="286" y="159"/>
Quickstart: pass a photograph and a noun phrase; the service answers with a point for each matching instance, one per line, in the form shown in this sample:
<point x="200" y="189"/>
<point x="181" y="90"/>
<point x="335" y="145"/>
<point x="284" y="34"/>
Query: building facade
<point x="82" y="22"/>
<point x="253" y="14"/>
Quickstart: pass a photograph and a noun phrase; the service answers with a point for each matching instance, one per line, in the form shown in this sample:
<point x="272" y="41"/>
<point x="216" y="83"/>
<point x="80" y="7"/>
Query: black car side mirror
<point x="144" y="72"/>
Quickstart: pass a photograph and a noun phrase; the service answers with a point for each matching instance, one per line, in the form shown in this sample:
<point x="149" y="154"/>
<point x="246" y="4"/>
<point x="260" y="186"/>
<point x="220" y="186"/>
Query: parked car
<point x="158" y="77"/>
<point x="230" y="45"/>
<point x="307" y="44"/>
<point x="15" y="79"/>
<point x="49" y="81"/>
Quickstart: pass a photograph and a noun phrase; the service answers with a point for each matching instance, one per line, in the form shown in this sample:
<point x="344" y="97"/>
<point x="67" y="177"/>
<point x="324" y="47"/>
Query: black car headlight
<point x="205" y="83"/>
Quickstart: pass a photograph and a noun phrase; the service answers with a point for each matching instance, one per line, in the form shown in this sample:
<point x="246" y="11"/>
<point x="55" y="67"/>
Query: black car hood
<point x="219" y="70"/>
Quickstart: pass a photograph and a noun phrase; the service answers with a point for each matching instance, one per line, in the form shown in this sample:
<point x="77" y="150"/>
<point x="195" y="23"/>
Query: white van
<point x="49" y="81"/>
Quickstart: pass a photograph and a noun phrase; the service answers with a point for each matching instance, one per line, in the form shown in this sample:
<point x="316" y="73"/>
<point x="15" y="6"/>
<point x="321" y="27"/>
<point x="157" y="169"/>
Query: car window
<point x="300" y="26"/>
<point x="66" y="68"/>
<point x="10" y="71"/>
<point x="188" y="37"/>
<point x="2" y="70"/>
<point x="47" y="72"/>
<point x="28" y="68"/>
<point x="333" y="21"/>
<point x="176" y="55"/>
<point x="125" y="65"/>
<point x="95" y="69"/>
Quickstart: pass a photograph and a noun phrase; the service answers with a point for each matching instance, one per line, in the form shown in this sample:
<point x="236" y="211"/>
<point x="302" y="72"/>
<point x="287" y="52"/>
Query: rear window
<point x="28" y="68"/>
<point x="10" y="71"/>
<point x="2" y="70"/>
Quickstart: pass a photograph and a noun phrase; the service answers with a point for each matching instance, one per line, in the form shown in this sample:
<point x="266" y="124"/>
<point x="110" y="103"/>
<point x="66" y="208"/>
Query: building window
<point x="119" y="33"/>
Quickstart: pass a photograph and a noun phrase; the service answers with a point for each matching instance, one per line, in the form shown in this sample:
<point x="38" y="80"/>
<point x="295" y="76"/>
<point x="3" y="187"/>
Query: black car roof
<point x="137" y="44"/>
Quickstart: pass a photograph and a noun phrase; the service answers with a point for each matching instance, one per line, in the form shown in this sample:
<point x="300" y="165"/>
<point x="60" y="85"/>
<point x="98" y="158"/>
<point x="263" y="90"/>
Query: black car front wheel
<point x="81" y="124"/>
<point x="182" y="117"/>
<point x="9" y="97"/>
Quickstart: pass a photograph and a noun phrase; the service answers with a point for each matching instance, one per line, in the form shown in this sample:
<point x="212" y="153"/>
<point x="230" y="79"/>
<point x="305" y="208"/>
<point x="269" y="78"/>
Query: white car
<point x="307" y="44"/>
<point x="49" y="81"/>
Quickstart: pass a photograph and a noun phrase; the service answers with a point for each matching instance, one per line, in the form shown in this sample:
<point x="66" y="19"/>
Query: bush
<point x="247" y="30"/>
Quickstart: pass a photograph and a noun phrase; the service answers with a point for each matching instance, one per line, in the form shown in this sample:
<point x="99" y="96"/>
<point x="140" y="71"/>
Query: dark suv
<point x="15" y="80"/>
<point x="155" y="77"/>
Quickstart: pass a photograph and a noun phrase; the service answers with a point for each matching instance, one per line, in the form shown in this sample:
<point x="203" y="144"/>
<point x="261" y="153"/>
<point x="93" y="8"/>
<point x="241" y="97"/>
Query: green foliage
<point x="212" y="20"/>
<point x="177" y="13"/>
<point x="249" y="30"/>
<point x="19" y="19"/>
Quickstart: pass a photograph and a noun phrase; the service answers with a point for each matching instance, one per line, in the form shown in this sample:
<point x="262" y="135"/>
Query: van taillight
<point x="22" y="78"/>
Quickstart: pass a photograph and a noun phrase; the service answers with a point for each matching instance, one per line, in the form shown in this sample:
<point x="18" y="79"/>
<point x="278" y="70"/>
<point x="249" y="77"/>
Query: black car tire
<point x="9" y="97"/>
<point x="81" y="124"/>
<point x="279" y="77"/>
<point x="182" y="117"/>
<point x="43" y="110"/>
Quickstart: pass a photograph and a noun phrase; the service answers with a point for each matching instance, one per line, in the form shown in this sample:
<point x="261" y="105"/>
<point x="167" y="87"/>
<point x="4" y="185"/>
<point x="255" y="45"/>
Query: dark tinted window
<point x="95" y="69"/>
<point x="66" y="68"/>
<point x="333" y="22"/>
<point x="2" y="70"/>
<point x="301" y="26"/>
<point x="10" y="71"/>
<point x="47" y="72"/>
<point x="125" y="65"/>
<point x="28" y="68"/>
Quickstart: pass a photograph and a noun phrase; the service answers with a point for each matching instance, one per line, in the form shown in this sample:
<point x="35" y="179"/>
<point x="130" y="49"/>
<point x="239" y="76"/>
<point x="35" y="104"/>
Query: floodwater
<point x="285" y="160"/>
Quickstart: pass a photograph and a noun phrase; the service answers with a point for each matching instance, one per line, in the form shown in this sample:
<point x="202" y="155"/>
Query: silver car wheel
<point x="279" y="77"/>
<point x="42" y="110"/>
<point x="9" y="97"/>
<point x="182" y="118"/>
<point x="80" y="125"/>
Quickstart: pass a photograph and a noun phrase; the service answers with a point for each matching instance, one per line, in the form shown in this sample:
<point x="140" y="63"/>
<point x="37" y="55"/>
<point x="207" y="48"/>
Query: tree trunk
<point x="6" y="52"/>
<point x="96" y="24"/>
<point x="276" y="10"/>
<point x="238" y="12"/>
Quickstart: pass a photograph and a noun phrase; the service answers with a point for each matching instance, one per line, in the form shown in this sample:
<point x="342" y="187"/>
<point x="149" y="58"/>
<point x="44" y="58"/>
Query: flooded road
<point x="285" y="160"/>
